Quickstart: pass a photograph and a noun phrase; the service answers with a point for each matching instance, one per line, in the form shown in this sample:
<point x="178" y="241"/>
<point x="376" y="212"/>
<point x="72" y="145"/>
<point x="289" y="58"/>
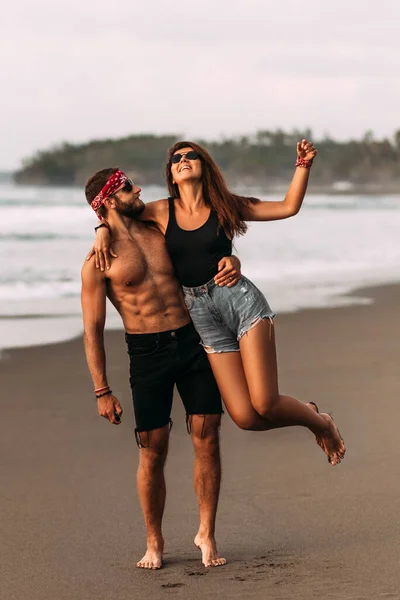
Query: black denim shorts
<point x="158" y="361"/>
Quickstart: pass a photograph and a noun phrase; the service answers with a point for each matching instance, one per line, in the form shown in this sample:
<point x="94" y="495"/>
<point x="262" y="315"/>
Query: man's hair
<point x="95" y="184"/>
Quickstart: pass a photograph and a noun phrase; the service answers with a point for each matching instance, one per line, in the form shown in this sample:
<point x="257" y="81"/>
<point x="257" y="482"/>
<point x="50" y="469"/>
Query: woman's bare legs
<point x="249" y="386"/>
<point x="235" y="392"/>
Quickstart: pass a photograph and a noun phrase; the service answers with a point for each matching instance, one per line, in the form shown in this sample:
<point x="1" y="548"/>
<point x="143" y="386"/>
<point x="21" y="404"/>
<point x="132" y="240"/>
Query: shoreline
<point x="358" y="296"/>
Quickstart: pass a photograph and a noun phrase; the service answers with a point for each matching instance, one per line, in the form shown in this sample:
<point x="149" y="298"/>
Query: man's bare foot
<point x="209" y="553"/>
<point x="153" y="557"/>
<point x="331" y="442"/>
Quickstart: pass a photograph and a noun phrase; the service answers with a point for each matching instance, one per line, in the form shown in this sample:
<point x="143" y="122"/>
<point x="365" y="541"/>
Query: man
<point x="164" y="350"/>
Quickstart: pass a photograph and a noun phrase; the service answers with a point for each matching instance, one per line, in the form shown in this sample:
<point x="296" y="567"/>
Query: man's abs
<point x="143" y="288"/>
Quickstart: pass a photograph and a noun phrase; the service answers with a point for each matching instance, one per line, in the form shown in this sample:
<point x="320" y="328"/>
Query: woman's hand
<point x="228" y="271"/>
<point x="305" y="150"/>
<point x="102" y="249"/>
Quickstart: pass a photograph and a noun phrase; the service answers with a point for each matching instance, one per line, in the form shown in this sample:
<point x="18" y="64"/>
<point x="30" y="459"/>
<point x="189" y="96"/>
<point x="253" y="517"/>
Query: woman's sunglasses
<point x="191" y="155"/>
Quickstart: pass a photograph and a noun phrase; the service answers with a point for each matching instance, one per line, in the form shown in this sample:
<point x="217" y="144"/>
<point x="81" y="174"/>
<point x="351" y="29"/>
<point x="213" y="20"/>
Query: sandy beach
<point x="290" y="525"/>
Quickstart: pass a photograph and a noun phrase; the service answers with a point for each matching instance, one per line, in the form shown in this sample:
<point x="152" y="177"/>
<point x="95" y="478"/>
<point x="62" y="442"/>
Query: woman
<point x="235" y="322"/>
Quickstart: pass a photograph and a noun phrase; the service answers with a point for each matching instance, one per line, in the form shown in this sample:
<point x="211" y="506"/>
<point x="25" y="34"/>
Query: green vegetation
<point x="264" y="159"/>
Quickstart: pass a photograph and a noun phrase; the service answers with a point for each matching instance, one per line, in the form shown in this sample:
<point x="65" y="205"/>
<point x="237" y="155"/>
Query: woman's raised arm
<point x="267" y="210"/>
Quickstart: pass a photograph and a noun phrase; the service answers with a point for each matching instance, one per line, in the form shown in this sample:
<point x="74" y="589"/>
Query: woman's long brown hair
<point x="229" y="207"/>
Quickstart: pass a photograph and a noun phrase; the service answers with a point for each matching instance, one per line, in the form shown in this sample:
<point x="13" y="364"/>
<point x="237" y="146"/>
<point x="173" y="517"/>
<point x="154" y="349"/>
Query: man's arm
<point x="229" y="271"/>
<point x="93" y="299"/>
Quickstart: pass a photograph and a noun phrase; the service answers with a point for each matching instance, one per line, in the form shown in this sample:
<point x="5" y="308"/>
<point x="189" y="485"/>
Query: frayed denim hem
<point x="210" y="350"/>
<point x="255" y="322"/>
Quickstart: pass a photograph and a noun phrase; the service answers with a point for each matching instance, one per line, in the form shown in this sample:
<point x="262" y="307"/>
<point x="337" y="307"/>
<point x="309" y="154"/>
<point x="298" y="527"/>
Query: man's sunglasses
<point x="191" y="155"/>
<point x="128" y="186"/>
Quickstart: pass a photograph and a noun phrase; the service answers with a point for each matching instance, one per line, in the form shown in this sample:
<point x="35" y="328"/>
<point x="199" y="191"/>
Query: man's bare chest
<point x="140" y="258"/>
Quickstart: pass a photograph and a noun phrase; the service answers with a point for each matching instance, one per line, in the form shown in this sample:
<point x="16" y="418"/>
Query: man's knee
<point x="153" y="458"/>
<point x="205" y="432"/>
<point x="153" y="446"/>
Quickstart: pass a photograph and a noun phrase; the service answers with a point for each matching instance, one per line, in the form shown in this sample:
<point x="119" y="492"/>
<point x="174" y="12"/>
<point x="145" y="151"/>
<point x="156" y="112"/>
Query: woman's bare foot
<point x="209" y="553"/>
<point x="318" y="438"/>
<point x="332" y="442"/>
<point x="153" y="557"/>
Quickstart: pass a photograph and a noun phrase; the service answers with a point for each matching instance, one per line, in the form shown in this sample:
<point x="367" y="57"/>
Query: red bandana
<point x="115" y="181"/>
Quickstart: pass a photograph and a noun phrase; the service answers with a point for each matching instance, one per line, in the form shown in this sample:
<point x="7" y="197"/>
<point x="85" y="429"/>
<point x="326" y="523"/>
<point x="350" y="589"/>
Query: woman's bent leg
<point x="231" y="379"/>
<point x="258" y="353"/>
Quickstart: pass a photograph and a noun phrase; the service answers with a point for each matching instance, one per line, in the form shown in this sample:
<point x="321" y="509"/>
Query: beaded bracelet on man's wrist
<point x="101" y="389"/>
<point x="103" y="394"/>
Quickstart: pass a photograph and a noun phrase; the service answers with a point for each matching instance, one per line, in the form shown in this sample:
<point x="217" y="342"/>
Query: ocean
<point x="337" y="243"/>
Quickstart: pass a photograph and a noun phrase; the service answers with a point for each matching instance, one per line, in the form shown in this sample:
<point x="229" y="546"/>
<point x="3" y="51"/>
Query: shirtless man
<point x="164" y="350"/>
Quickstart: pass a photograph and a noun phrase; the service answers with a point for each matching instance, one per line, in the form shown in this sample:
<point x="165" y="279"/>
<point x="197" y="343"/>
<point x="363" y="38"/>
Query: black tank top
<point x="196" y="254"/>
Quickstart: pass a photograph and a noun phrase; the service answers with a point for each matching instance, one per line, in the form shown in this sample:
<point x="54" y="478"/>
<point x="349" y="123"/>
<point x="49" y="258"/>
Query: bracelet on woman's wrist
<point x="303" y="162"/>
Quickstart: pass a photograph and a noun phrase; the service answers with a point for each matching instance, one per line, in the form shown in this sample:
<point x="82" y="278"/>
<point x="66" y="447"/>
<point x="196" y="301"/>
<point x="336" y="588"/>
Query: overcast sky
<point x="74" y="70"/>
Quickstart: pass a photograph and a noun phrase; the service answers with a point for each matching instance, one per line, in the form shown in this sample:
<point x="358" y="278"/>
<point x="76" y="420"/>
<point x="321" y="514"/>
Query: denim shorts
<point x="222" y="315"/>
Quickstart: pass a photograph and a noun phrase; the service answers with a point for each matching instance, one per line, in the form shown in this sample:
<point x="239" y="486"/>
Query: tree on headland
<point x="396" y="138"/>
<point x="265" y="158"/>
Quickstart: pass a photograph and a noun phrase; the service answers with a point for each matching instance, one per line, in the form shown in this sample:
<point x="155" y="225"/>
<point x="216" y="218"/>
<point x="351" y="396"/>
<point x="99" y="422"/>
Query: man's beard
<point x="130" y="210"/>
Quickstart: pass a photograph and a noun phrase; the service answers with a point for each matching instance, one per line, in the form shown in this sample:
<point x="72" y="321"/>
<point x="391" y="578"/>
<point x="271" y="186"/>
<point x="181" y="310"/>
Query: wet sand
<point x="290" y="525"/>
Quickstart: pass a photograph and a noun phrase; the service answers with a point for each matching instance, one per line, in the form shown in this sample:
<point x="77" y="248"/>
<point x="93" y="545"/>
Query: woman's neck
<point x="191" y="196"/>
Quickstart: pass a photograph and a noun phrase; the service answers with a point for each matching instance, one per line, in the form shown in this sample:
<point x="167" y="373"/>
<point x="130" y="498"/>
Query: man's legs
<point x="207" y="480"/>
<point x="151" y="488"/>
